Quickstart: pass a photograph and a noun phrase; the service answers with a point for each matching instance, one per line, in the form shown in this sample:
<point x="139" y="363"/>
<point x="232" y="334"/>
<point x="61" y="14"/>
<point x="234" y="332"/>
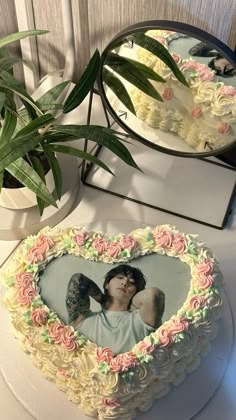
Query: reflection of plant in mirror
<point x="29" y="136"/>
<point x="136" y="73"/>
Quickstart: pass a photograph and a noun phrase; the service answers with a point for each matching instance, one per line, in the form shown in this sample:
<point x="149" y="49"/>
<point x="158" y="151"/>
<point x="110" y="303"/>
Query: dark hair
<point x="137" y="275"/>
<point x="211" y="63"/>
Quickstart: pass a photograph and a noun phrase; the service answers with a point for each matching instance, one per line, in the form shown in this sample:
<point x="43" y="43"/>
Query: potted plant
<point x="32" y="136"/>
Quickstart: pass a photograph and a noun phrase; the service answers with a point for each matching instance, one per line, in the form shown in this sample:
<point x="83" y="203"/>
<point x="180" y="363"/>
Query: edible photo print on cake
<point x="114" y="306"/>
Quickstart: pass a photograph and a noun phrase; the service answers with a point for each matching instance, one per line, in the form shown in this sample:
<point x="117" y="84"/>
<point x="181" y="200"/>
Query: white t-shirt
<point x="118" y="330"/>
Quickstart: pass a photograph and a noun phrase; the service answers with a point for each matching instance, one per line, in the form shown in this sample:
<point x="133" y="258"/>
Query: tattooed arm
<point x="79" y="289"/>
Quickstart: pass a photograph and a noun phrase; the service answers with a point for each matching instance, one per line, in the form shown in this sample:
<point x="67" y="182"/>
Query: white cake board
<point x="42" y="400"/>
<point x="187" y="187"/>
<point x="17" y="224"/>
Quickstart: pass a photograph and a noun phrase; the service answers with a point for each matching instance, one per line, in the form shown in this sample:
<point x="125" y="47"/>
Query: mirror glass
<point x="172" y="91"/>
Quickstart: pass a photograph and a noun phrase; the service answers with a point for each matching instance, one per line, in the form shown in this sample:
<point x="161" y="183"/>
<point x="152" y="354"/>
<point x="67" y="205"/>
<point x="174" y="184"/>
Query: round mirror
<point x="171" y="86"/>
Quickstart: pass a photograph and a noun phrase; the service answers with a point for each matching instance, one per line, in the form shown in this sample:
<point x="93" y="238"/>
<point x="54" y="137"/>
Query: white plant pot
<point x="23" y="198"/>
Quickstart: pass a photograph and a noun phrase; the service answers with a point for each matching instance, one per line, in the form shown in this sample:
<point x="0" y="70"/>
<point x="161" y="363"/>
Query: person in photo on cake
<point x="129" y="312"/>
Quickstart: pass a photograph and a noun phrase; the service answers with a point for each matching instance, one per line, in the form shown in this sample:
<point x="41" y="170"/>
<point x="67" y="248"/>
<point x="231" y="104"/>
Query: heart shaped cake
<point x="104" y="384"/>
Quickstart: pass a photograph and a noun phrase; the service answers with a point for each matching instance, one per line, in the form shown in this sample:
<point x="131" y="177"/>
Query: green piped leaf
<point x="104" y="367"/>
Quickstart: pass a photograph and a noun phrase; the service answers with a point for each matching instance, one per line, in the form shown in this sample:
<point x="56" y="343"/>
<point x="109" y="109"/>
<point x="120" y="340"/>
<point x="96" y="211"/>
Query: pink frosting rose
<point x="81" y="237"/>
<point x="104" y="355"/>
<point x="197" y="302"/>
<point x="26" y="295"/>
<point x="44" y="242"/>
<point x="202" y="70"/>
<point x="163" y="238"/>
<point x="223" y="128"/>
<point x="227" y="90"/>
<point x="164" y="337"/>
<point x="206" y="74"/>
<point x="68" y="339"/>
<point x="114" y="249"/>
<point x="179" y="243"/>
<point x="39" y="317"/>
<point x="205" y="266"/>
<point x="176" y="57"/>
<point x="115" y="364"/>
<point x="111" y="402"/>
<point x="146" y="347"/>
<point x="23" y="279"/>
<point x="177" y="325"/>
<point x="190" y="64"/>
<point x="128" y="242"/>
<point x="203" y="281"/>
<point x="100" y="244"/>
<point x="56" y="332"/>
<point x="167" y="94"/>
<point x="35" y="254"/>
<point x="196" y="112"/>
<point x="123" y="362"/>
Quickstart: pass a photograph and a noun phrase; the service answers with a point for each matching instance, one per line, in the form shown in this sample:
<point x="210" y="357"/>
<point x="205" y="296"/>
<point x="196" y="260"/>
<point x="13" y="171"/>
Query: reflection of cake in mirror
<point x="204" y="115"/>
<point x="103" y="384"/>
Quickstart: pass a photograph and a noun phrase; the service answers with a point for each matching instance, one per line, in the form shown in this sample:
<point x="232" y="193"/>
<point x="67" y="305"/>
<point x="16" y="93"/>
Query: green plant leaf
<point x="8" y="127"/>
<point x="145" y="70"/>
<point x="55" y="167"/>
<point x="22" y="171"/>
<point x="20" y="120"/>
<point x="6" y="63"/>
<point x="2" y="100"/>
<point x="20" y="35"/>
<point x="54" y="137"/>
<point x="51" y="96"/>
<point x="161" y="52"/>
<point x="80" y="154"/>
<point x="35" y="125"/>
<point x="101" y="135"/>
<point x="51" y="107"/>
<point x="15" y="86"/>
<point x="1" y="181"/>
<point x="12" y="151"/>
<point x="118" y="89"/>
<point x="84" y="84"/>
<point x="130" y="73"/>
<point x="38" y="167"/>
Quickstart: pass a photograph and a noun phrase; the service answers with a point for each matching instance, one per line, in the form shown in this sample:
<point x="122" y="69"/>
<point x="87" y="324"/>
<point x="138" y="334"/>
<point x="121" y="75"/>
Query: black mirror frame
<point x="170" y="26"/>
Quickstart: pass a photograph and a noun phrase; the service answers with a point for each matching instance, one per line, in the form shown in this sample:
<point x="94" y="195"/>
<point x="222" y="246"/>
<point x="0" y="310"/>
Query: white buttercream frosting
<point x="103" y="385"/>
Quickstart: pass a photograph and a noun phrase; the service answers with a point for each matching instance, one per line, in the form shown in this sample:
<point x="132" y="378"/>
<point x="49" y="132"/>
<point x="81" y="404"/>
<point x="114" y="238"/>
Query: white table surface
<point x="94" y="205"/>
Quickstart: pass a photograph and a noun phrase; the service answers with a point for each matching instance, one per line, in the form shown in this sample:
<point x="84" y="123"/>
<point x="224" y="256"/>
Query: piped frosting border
<point x="103" y="385"/>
